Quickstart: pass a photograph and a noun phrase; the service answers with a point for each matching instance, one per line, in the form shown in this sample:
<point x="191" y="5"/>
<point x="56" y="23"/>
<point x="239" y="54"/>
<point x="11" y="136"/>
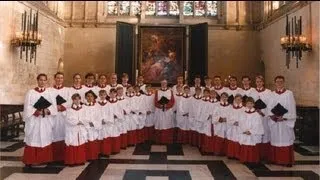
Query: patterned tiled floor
<point x="157" y="162"/>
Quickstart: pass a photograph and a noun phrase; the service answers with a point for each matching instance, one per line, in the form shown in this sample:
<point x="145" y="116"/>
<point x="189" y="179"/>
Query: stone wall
<point x="303" y="81"/>
<point x="17" y="75"/>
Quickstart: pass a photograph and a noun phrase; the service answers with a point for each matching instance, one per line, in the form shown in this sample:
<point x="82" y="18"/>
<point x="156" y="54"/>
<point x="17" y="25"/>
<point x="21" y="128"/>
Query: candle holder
<point x="294" y="43"/>
<point x="29" y="37"/>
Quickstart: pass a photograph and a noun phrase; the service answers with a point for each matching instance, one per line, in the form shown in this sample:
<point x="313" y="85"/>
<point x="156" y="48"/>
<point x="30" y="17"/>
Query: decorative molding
<point x="281" y="13"/>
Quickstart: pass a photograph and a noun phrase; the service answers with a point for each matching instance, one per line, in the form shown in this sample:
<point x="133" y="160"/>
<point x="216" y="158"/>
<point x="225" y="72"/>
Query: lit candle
<point x="185" y="75"/>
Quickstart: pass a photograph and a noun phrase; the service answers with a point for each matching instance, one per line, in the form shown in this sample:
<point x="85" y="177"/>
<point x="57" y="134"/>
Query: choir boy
<point x="77" y="87"/>
<point x="251" y="133"/>
<point x="39" y="109"/>
<point x="183" y="116"/>
<point x="93" y="124"/>
<point x="124" y="81"/>
<point x="141" y="84"/>
<point x="102" y="84"/>
<point x="123" y="123"/>
<point x="194" y="114"/>
<point x="264" y="95"/>
<point x="204" y="121"/>
<point x="149" y="105"/>
<point x="61" y="95"/>
<point x="108" y="127"/>
<point x="219" y="120"/>
<point x="179" y="83"/>
<point x="76" y="133"/>
<point x="141" y="114"/>
<point x="282" y="111"/>
<point x="164" y="101"/>
<point x="117" y="117"/>
<point x="197" y="83"/>
<point x="247" y="90"/>
<point x="233" y="129"/>
<point x="233" y="89"/>
<point x="208" y="142"/>
<point x="177" y="97"/>
<point x="132" y="116"/>
<point x="218" y="86"/>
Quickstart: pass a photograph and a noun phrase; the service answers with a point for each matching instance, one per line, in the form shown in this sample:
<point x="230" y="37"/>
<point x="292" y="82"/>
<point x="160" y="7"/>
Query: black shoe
<point x="289" y="165"/>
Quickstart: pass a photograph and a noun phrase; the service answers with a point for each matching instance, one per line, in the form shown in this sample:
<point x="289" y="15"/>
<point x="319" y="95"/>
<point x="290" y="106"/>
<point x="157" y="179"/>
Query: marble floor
<point x="157" y="162"/>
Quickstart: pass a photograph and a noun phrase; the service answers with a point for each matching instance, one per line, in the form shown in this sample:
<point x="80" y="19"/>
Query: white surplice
<point x="38" y="130"/>
<point x="194" y="110"/>
<point x="223" y="111"/>
<point x="76" y="135"/>
<point x="91" y="114"/>
<point x="59" y="120"/>
<point x="251" y="92"/>
<point x="183" y="109"/>
<point x="233" y="131"/>
<point x="149" y="106"/>
<point x="282" y="133"/>
<point x="265" y="95"/>
<point x="164" y="119"/>
<point x="251" y="121"/>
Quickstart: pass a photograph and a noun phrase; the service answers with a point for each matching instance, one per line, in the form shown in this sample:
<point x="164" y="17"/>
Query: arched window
<point x="162" y="8"/>
<point x="200" y="8"/>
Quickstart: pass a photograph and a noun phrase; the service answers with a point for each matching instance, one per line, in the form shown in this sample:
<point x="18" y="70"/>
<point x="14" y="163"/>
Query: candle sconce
<point x="294" y="43"/>
<point x="29" y="37"/>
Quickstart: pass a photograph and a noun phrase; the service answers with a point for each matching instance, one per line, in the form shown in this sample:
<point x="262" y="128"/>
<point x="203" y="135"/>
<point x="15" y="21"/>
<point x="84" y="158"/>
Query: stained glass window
<point x="112" y="8"/>
<point x="124" y="7"/>
<point x="136" y="7"/>
<point x="162" y="7"/>
<point x="200" y="8"/>
<point x="212" y="8"/>
<point x="188" y="8"/>
<point x="174" y="8"/>
<point x="150" y="8"/>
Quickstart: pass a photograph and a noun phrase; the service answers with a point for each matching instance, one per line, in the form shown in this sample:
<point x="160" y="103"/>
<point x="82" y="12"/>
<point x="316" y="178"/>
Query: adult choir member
<point x="179" y="83"/>
<point x="264" y="96"/>
<point x="39" y="109"/>
<point x="283" y="117"/>
<point x="164" y="101"/>
<point x="102" y="84"/>
<point x="197" y="83"/>
<point x="61" y="95"/>
<point x="77" y="87"/>
<point x="233" y="89"/>
<point x="141" y="84"/>
<point x="218" y="86"/>
<point x="247" y="90"/>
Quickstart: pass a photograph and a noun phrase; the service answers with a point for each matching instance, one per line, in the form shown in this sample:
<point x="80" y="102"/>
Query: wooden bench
<point x="11" y="121"/>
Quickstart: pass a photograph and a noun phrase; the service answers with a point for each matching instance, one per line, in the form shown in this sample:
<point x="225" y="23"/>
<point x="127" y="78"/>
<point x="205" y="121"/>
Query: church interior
<point x="205" y="38"/>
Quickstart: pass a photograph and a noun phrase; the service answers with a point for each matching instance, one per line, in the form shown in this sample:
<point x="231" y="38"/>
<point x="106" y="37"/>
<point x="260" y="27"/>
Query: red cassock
<point x="38" y="129"/>
<point x="164" y="127"/>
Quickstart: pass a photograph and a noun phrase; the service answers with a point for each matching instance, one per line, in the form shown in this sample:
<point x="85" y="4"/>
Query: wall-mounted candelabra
<point x="29" y="37"/>
<point x="294" y="43"/>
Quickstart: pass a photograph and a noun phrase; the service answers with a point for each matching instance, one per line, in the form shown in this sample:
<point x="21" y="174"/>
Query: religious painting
<point x="161" y="53"/>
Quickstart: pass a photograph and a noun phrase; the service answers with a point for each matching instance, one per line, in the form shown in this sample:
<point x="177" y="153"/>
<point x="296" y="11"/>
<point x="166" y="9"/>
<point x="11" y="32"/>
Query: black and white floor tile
<point x="158" y="162"/>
